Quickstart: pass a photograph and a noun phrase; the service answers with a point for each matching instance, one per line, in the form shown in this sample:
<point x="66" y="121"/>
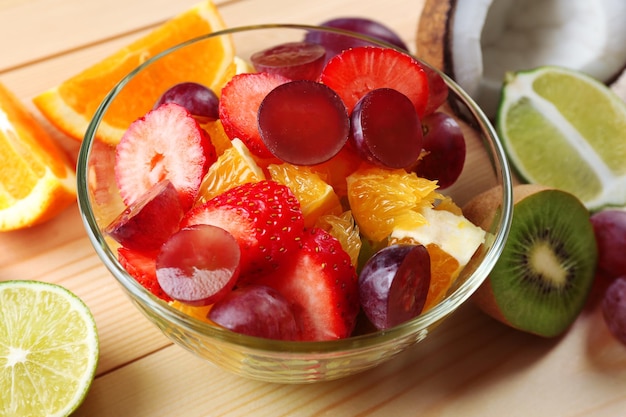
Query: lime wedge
<point x="48" y="349"/>
<point x="564" y="129"/>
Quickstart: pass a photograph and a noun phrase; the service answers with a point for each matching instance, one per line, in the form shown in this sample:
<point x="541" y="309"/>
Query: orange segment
<point x="383" y="199"/>
<point x="235" y="166"/>
<point x="336" y="170"/>
<point x="316" y="197"/>
<point x="343" y="228"/>
<point x="199" y="313"/>
<point x="219" y="138"/>
<point x="71" y="105"/>
<point x="37" y="178"/>
<point x="444" y="271"/>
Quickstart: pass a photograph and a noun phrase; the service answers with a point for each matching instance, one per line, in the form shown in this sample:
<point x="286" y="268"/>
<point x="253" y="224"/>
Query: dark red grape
<point x="614" y="308"/>
<point x="150" y="220"/>
<point x="386" y="129"/>
<point x="198" y="99"/>
<point x="335" y="43"/>
<point x="393" y="284"/>
<point x="437" y="90"/>
<point x="256" y="310"/>
<point x="198" y="265"/>
<point x="303" y="122"/>
<point x="609" y="227"/>
<point x="444" y="150"/>
<point x="294" y="60"/>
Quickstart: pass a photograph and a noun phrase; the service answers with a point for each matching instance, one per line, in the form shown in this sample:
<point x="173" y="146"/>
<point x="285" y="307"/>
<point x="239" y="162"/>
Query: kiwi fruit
<point x="541" y="281"/>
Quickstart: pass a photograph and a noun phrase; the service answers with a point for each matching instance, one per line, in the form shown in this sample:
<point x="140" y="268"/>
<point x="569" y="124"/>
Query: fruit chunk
<point x="150" y="220"/>
<point x="393" y="284"/>
<point x="343" y="228"/>
<point x="303" y="122"/>
<point x="565" y="130"/>
<point x="198" y="99"/>
<point x="71" y="105"/>
<point x="239" y="105"/>
<point x="49" y="339"/>
<point x="198" y="265"/>
<point x="542" y="279"/>
<point x="316" y="197"/>
<point x="614" y="308"/>
<point x="294" y="60"/>
<point x="321" y="285"/>
<point x="256" y="310"/>
<point x="37" y="180"/>
<point x="355" y="72"/>
<point x="166" y="143"/>
<point x="386" y="130"/>
<point x="609" y="227"/>
<point x="444" y="150"/>
<point x="264" y="217"/>
<point x="382" y="199"/>
<point x="142" y="267"/>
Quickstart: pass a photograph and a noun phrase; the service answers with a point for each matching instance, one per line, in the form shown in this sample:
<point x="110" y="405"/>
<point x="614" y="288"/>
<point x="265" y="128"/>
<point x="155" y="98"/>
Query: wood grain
<point x="470" y="366"/>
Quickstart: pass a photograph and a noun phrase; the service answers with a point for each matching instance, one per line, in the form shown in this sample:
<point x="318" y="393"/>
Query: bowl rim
<point x="417" y="326"/>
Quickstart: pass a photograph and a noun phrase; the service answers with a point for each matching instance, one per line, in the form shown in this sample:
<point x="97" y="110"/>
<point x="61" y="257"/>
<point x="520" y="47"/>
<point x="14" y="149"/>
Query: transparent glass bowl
<point x="280" y="361"/>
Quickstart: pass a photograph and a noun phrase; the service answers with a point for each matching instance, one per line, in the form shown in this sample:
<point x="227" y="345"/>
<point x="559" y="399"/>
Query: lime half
<point x="564" y="129"/>
<point x="48" y="349"/>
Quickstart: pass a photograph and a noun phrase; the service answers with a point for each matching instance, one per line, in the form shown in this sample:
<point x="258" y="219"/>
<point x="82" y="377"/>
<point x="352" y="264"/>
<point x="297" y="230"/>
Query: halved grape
<point x="256" y="310"/>
<point x="294" y="60"/>
<point x="393" y="284"/>
<point x="303" y="122"/>
<point x="614" y="308"/>
<point x="609" y="227"/>
<point x="198" y="265"/>
<point x="386" y="129"/>
<point x="335" y="43"/>
<point x="444" y="150"/>
<point x="198" y="99"/>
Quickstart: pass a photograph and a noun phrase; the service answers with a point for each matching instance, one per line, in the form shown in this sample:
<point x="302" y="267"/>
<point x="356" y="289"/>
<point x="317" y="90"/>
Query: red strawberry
<point x="166" y="143"/>
<point x="357" y="71"/>
<point x="239" y="103"/>
<point x="150" y="220"/>
<point x="321" y="284"/>
<point x="142" y="267"/>
<point x="264" y="217"/>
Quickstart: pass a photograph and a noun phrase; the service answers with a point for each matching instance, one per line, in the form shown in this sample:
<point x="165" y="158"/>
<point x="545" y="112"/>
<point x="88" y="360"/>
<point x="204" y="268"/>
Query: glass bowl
<point x="280" y="361"/>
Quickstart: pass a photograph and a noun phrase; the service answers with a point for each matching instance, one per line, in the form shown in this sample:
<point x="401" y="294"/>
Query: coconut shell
<point x="433" y="33"/>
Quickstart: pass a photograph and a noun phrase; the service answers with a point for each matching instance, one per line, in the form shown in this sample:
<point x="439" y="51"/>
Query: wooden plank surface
<point x="470" y="366"/>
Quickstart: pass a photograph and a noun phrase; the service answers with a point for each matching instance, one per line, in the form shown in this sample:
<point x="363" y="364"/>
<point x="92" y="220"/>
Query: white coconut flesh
<point x="491" y="37"/>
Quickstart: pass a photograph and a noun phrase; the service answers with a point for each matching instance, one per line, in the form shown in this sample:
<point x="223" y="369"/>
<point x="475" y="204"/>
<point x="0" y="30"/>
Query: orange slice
<point x="235" y="166"/>
<point x="316" y="197"/>
<point x="343" y="228"/>
<point x="37" y="178"/>
<point x="383" y="199"/>
<point x="71" y="105"/>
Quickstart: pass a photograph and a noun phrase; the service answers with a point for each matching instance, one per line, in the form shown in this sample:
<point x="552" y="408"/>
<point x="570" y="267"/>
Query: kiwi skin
<point x="534" y="303"/>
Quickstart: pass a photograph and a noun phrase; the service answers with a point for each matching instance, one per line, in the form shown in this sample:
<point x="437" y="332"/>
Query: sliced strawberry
<point x="321" y="284"/>
<point x="149" y="220"/>
<point x="166" y="143"/>
<point x="357" y="71"/>
<point x="264" y="217"/>
<point x="142" y="267"/>
<point x="239" y="104"/>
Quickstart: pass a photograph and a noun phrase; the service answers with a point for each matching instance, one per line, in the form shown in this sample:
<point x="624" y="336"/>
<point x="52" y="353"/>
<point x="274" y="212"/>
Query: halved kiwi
<point x="541" y="281"/>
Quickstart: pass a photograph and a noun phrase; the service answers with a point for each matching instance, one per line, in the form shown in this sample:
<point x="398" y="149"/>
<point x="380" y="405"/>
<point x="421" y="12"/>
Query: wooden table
<point x="470" y="366"/>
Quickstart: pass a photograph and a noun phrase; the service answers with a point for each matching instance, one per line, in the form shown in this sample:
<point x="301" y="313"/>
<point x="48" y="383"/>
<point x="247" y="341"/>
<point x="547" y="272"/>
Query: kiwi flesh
<point x="545" y="273"/>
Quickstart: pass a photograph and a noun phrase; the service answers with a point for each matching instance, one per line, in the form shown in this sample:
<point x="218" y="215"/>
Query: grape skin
<point x="614" y="308"/>
<point x="294" y="60"/>
<point x="609" y="227"/>
<point x="198" y="99"/>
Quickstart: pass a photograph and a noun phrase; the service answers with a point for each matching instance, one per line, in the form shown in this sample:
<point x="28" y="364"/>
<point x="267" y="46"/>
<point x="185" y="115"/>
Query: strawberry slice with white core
<point x="321" y="284"/>
<point x="142" y="267"/>
<point x="357" y="71"/>
<point x="239" y="104"/>
<point x="166" y="143"/>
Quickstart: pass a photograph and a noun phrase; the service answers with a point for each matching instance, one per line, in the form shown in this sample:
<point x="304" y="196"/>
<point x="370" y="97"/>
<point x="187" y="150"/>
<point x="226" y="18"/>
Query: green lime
<point x="48" y="349"/>
<point x="564" y="129"/>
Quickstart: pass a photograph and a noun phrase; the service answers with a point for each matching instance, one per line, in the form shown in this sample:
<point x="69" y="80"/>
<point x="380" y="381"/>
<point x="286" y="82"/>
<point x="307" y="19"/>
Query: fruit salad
<point x="303" y="200"/>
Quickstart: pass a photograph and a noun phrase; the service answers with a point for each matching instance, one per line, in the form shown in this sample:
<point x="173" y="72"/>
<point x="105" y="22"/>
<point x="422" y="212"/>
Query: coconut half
<point x="477" y="41"/>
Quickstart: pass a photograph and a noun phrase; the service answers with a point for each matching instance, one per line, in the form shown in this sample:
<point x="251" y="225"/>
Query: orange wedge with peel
<point x="71" y="105"/>
<point x="37" y="179"/>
